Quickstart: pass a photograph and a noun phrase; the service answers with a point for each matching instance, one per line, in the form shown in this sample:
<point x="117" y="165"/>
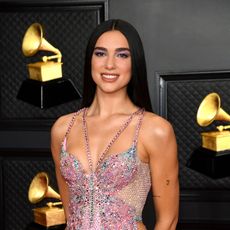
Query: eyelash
<point x="123" y="55"/>
<point x="102" y="54"/>
<point x="99" y="53"/>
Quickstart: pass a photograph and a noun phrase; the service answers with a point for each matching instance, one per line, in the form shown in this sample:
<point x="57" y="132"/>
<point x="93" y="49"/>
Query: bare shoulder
<point x="60" y="126"/>
<point x="157" y="134"/>
<point x="156" y="126"/>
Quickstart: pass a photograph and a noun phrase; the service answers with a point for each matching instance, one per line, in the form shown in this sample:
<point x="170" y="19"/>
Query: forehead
<point x="112" y="38"/>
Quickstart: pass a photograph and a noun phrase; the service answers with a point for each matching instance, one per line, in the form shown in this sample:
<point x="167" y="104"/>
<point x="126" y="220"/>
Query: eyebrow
<point x="118" y="49"/>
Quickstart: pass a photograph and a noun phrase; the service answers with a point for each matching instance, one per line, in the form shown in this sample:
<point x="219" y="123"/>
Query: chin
<point x="111" y="90"/>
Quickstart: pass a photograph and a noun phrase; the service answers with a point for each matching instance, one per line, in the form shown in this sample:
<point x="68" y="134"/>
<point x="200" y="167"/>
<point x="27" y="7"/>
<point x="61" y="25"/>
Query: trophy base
<point x="47" y="216"/>
<point x="49" y="93"/>
<point x="45" y="71"/>
<point x="216" y="140"/>
<point x="210" y="163"/>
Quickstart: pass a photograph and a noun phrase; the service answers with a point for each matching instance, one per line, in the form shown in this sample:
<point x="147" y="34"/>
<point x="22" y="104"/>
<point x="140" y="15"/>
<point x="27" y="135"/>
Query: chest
<point x="113" y="173"/>
<point x="103" y="139"/>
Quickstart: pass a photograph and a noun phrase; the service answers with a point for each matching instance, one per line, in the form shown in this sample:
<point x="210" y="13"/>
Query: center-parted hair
<point x="138" y="87"/>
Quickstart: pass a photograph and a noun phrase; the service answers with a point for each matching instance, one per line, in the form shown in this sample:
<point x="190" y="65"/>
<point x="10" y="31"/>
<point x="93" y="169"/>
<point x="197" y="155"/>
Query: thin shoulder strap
<point x="69" y="127"/>
<point x="138" y="126"/>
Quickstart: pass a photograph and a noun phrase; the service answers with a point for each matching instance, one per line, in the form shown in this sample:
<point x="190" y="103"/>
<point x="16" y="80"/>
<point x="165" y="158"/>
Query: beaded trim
<point x="92" y="192"/>
<point x="71" y="123"/>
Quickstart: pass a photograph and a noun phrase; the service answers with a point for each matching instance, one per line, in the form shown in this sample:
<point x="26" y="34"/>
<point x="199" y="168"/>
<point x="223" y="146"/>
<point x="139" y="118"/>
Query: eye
<point x="123" y="55"/>
<point x="99" y="53"/>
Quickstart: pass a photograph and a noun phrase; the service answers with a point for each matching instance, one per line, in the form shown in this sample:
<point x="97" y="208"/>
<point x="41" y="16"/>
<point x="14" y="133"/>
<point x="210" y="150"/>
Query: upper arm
<point x="162" y="152"/>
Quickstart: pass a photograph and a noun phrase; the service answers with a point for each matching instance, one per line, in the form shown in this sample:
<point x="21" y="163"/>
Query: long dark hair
<point x="137" y="88"/>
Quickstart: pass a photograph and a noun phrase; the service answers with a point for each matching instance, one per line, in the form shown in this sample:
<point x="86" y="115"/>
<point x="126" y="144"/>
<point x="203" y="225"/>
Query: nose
<point x="110" y="62"/>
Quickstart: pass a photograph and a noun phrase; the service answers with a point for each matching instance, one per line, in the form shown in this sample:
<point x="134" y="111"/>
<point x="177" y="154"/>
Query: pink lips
<point x="108" y="77"/>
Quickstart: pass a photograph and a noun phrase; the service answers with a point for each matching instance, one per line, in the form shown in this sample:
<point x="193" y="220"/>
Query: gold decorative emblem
<point x="34" y="41"/>
<point x="209" y="111"/>
<point x="52" y="214"/>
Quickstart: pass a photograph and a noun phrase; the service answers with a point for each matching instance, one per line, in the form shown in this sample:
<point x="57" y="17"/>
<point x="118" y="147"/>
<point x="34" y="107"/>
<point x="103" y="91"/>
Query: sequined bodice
<point x="112" y="196"/>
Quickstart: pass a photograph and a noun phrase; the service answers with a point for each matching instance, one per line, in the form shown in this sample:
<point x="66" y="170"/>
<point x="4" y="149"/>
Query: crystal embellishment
<point x="113" y="195"/>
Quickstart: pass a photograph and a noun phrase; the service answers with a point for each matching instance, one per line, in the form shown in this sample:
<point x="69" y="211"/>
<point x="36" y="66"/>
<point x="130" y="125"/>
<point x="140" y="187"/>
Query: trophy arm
<point x="46" y="58"/>
<point x="222" y="127"/>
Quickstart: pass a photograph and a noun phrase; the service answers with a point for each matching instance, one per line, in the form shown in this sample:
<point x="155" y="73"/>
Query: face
<point x="111" y="62"/>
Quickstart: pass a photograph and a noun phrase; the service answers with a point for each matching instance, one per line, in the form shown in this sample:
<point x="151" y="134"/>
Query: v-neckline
<point x="115" y="137"/>
<point x="87" y="173"/>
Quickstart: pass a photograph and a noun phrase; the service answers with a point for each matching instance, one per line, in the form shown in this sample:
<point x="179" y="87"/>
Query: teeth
<point x="109" y="76"/>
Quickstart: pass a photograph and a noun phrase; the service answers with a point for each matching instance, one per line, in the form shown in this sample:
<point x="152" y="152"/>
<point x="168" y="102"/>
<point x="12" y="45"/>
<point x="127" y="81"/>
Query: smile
<point x="109" y="77"/>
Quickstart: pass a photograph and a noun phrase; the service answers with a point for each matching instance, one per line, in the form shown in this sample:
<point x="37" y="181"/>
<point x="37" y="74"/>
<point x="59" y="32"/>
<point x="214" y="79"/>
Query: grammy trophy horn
<point x="39" y="189"/>
<point x="210" y="110"/>
<point x="34" y="41"/>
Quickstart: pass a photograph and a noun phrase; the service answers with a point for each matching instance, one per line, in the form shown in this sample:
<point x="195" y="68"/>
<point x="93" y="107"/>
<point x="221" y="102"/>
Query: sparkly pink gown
<point x="111" y="197"/>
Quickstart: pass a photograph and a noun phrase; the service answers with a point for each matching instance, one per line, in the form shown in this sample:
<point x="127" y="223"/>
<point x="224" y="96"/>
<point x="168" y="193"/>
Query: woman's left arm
<point x="162" y="152"/>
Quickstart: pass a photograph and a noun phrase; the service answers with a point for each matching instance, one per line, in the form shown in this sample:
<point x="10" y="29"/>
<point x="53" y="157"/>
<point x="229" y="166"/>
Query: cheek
<point x="94" y="67"/>
<point x="93" y="73"/>
<point x="97" y="63"/>
<point x="126" y="68"/>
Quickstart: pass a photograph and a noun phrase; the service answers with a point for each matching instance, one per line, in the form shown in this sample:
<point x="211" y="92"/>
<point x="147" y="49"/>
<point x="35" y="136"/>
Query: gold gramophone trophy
<point x="212" y="158"/>
<point x="52" y="214"/>
<point x="33" y="42"/>
<point x="209" y="111"/>
<point x="45" y="86"/>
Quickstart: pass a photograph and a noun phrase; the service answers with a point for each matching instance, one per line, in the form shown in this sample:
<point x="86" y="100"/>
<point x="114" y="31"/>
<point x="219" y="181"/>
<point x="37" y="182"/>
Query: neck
<point x="105" y="104"/>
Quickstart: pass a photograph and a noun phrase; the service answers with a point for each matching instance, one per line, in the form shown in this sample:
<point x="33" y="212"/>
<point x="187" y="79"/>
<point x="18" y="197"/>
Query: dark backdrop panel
<point x="203" y="199"/>
<point x="18" y="170"/>
<point x="179" y="35"/>
<point x="181" y="95"/>
<point x="67" y="27"/>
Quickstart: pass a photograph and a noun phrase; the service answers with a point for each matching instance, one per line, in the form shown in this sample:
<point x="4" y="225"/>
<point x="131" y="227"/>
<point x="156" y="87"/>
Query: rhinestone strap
<point x="140" y="119"/>
<point x="72" y="121"/>
<point x="86" y="137"/>
<point x="70" y="126"/>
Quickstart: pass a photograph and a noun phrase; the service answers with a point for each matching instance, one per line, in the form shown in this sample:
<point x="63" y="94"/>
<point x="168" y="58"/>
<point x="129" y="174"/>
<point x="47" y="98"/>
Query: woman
<point x="108" y="154"/>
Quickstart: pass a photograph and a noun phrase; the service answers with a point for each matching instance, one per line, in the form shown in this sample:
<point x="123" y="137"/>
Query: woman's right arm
<point x="57" y="135"/>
